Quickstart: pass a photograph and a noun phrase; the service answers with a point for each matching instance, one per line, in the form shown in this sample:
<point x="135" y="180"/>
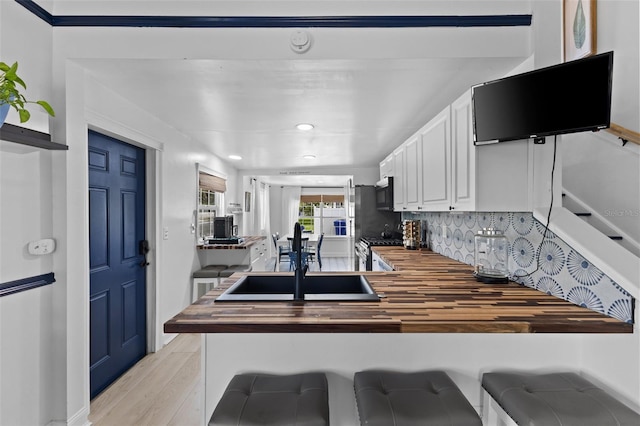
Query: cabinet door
<point x="463" y="155"/>
<point x="259" y="256"/>
<point x="413" y="173"/>
<point x="399" y="180"/>
<point x="386" y="167"/>
<point x="377" y="264"/>
<point x="436" y="161"/>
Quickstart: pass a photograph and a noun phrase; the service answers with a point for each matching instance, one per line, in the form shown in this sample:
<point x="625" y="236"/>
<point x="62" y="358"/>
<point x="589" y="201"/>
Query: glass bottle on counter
<point x="491" y="257"/>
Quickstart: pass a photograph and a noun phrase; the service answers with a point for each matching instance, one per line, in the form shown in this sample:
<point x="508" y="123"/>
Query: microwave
<point x="384" y="194"/>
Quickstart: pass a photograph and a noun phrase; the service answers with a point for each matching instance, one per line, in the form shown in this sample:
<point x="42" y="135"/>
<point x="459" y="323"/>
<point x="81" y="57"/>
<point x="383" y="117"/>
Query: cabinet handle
<point x="419" y="207"/>
<point x="451" y="208"/>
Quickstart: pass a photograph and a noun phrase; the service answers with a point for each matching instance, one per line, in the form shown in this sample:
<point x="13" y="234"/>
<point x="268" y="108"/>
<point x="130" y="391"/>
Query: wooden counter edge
<point x="234" y="327"/>
<point x="466" y="327"/>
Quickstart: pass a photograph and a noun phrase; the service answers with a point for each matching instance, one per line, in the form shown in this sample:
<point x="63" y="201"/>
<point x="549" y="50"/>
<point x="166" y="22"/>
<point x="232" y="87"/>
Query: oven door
<point x="363" y="257"/>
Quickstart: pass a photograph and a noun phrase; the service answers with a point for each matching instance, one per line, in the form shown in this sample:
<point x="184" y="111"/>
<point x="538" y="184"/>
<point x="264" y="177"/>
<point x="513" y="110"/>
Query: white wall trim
<point x="81" y="418"/>
<point x="599" y="221"/>
<point x="120" y="131"/>
<point x="109" y="127"/>
<point x="612" y="259"/>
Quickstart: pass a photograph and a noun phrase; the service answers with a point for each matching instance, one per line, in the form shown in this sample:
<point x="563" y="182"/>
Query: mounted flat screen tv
<point x="570" y="97"/>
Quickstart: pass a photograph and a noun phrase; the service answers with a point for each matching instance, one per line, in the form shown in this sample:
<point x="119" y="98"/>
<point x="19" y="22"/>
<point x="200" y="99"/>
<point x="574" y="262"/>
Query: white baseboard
<point x="81" y="418"/>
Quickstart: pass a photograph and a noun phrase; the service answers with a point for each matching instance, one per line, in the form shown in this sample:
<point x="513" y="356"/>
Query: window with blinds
<point x="322" y="213"/>
<point x="211" y="191"/>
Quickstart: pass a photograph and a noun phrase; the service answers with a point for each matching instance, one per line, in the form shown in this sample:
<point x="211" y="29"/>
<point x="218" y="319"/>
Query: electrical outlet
<point x="41" y="247"/>
<point x="165" y="233"/>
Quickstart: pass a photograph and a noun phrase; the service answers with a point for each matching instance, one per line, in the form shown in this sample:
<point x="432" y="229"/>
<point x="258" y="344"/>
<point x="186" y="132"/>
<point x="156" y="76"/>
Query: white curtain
<point x="264" y="218"/>
<point x="290" y="207"/>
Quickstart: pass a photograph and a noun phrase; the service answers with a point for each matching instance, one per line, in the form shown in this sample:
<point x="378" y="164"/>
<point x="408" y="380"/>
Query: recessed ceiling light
<point x="309" y="157"/>
<point x="304" y="126"/>
<point x="235" y="157"/>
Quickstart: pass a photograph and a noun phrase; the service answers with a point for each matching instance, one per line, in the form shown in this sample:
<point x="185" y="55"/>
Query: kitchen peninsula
<point x="435" y="316"/>
<point x="251" y="250"/>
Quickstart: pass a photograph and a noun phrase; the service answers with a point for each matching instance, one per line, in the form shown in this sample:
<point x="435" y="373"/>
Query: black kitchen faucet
<point x="300" y="271"/>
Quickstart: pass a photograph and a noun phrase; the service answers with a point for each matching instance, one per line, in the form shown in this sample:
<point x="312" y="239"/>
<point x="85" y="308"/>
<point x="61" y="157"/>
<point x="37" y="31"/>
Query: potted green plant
<point x="10" y="95"/>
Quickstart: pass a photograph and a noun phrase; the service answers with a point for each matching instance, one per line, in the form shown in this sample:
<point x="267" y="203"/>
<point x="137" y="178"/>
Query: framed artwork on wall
<point x="579" y="28"/>
<point x="247" y="201"/>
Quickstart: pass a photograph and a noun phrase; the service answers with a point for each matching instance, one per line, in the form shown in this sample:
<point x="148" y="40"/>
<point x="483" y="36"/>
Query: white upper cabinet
<point x="439" y="168"/>
<point x="399" y="180"/>
<point x="435" y="142"/>
<point x="386" y="167"/>
<point x="412" y="173"/>
<point x="463" y="155"/>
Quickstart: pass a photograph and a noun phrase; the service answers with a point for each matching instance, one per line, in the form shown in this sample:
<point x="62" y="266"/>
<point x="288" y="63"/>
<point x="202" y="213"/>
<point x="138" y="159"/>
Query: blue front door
<point x="117" y="296"/>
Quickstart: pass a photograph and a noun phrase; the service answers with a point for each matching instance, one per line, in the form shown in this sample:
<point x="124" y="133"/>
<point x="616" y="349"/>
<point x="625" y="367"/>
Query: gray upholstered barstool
<point x="208" y="275"/>
<point x="554" y="399"/>
<point x="274" y="400"/>
<point x="424" y="398"/>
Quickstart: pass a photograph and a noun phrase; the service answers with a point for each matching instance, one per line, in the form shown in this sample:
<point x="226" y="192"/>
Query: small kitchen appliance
<point x="223" y="227"/>
<point x="491" y="257"/>
<point x="411" y="234"/>
<point x="384" y="194"/>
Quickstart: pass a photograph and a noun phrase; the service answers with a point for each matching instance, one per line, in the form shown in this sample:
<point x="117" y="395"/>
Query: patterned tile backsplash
<point x="560" y="270"/>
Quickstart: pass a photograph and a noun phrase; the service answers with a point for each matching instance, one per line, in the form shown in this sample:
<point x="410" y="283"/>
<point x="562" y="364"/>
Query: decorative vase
<point x="4" y="110"/>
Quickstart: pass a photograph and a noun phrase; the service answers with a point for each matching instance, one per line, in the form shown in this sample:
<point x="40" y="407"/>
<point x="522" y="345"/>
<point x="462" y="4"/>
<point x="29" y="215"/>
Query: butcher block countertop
<point x="245" y="244"/>
<point x="428" y="293"/>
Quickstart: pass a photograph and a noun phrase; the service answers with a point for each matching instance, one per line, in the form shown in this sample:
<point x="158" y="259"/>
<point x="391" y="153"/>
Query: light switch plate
<point x="40" y="247"/>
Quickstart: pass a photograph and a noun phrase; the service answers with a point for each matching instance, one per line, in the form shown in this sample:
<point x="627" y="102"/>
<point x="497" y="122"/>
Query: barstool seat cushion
<point x="230" y="270"/>
<point x="555" y="399"/>
<point x="424" y="398"/>
<point x="209" y="271"/>
<point x="275" y="400"/>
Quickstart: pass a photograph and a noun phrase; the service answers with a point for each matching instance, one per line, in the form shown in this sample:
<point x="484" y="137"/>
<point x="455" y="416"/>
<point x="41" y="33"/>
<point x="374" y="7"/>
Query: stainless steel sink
<point x="277" y="288"/>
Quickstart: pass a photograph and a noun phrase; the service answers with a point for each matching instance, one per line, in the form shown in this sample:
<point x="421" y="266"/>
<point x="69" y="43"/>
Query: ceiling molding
<point x="400" y="21"/>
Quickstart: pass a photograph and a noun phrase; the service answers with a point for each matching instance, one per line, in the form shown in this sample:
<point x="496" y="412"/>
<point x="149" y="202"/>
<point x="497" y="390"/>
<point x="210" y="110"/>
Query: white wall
<point x="26" y="327"/>
<point x="58" y="334"/>
<point x="596" y="168"/>
<point x="25" y="318"/>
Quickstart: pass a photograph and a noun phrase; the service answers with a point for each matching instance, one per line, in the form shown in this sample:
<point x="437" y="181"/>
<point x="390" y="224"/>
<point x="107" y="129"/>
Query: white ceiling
<point x="362" y="104"/>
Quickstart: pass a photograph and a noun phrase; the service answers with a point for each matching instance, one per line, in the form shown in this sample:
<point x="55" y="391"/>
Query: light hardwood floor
<point x="164" y="388"/>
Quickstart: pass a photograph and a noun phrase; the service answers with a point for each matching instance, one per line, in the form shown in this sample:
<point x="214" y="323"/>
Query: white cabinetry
<point x="439" y="168"/>
<point x="412" y="173"/>
<point x="386" y="167"/>
<point x="399" y="180"/>
<point x="259" y="256"/>
<point x="435" y="158"/>
<point x="377" y="264"/>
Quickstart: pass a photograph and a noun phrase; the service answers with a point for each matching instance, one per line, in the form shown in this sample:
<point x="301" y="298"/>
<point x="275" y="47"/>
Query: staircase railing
<point x="624" y="134"/>
<point x="599" y="222"/>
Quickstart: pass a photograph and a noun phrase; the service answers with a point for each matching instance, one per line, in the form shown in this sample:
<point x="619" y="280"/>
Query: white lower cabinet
<point x="259" y="256"/>
<point x="377" y="264"/>
<point x="440" y="169"/>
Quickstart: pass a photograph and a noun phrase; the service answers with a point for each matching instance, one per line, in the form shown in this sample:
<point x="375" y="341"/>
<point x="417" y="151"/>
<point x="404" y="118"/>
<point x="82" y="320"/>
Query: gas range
<point x="363" y="249"/>
<point x="379" y="241"/>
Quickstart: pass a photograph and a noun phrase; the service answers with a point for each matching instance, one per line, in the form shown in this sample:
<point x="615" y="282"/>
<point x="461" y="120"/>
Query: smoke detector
<point x="300" y="41"/>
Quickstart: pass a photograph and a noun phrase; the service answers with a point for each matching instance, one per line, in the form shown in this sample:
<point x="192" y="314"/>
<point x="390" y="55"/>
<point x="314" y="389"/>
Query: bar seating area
<point x="422" y="398"/>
